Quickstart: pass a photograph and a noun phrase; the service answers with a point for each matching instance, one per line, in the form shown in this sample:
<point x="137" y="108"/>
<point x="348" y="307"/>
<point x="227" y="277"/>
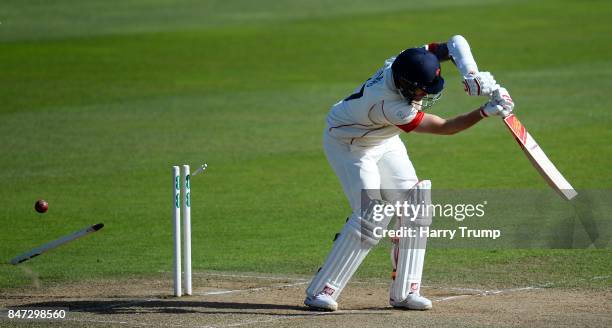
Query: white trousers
<point x="385" y="166"/>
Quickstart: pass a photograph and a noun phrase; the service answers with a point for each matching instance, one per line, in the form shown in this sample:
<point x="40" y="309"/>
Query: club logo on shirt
<point x="402" y="115"/>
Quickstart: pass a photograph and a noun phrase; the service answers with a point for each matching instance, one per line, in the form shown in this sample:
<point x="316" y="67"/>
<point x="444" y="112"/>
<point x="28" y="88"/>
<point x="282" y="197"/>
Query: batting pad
<point x="350" y="248"/>
<point x="408" y="253"/>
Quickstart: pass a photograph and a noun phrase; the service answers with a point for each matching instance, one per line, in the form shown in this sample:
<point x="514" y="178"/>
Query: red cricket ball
<point x="41" y="206"/>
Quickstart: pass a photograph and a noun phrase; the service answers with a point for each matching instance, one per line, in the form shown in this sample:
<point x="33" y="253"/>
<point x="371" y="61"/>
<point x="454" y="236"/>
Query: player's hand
<point x="479" y="84"/>
<point x="502" y="96"/>
<point x="500" y="104"/>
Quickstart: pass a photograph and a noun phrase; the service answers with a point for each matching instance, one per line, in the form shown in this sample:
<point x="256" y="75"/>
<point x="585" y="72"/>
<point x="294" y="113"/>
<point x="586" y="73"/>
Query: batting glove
<point x="503" y="98"/>
<point x="479" y="84"/>
<point x="500" y="104"/>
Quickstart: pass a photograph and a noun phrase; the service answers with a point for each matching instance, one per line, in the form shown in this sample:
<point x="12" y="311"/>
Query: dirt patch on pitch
<point x="227" y="300"/>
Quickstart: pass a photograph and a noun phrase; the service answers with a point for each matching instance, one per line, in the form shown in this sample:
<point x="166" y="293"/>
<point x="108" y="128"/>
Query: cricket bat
<point x="58" y="242"/>
<point x="461" y="54"/>
<point x="538" y="158"/>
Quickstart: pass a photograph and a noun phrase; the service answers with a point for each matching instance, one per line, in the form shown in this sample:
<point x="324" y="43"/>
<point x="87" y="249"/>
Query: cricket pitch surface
<point x="256" y="300"/>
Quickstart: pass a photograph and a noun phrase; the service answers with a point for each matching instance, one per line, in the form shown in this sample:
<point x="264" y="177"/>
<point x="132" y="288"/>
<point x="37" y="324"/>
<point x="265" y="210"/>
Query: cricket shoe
<point x="412" y="302"/>
<point x="321" y="302"/>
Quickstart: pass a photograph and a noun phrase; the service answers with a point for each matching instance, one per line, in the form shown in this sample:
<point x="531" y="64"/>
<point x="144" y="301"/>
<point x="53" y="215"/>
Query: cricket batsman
<point x="363" y="146"/>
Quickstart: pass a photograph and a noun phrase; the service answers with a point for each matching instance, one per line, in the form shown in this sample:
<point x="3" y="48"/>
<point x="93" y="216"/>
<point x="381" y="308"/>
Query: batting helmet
<point x="414" y="69"/>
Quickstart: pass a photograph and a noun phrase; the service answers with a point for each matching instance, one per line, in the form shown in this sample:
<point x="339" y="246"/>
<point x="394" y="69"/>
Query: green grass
<point x="99" y="100"/>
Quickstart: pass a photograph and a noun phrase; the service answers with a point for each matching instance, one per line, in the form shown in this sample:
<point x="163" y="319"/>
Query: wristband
<point x="482" y="112"/>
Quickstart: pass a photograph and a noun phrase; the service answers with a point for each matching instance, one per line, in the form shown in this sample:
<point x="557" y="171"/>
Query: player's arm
<point x="439" y="49"/>
<point x="500" y="104"/>
<point x="434" y="124"/>
<point x="458" y="50"/>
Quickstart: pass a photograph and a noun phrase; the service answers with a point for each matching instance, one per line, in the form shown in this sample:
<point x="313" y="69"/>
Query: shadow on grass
<point x="144" y="306"/>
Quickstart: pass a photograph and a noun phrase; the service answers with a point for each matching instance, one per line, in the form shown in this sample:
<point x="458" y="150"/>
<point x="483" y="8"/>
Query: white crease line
<point x="369" y="283"/>
<point x="272" y="277"/>
<point x="488" y="292"/>
<point x="461" y="289"/>
<point x="366" y="311"/>
<point x="308" y="280"/>
<point x="222" y="292"/>
<point x="478" y="292"/>
<point x="243" y="276"/>
<point x="248" y="276"/>
<point x="452" y="297"/>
